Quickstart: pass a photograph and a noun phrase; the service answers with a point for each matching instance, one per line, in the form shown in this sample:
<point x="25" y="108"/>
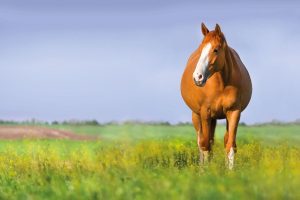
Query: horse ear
<point x="204" y="29"/>
<point x="218" y="29"/>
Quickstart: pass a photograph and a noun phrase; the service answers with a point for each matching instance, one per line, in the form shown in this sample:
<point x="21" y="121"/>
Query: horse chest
<point x="214" y="107"/>
<point x="217" y="105"/>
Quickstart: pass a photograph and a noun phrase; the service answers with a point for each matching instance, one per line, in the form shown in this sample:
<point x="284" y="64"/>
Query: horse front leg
<point x="197" y="125"/>
<point x="205" y="135"/>
<point x="233" y="118"/>
<point x="202" y="131"/>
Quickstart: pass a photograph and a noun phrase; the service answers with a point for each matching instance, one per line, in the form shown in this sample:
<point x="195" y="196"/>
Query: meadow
<point x="136" y="161"/>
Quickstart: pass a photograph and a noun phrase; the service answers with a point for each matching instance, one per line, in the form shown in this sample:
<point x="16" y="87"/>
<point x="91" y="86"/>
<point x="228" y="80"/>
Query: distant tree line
<point x="276" y="122"/>
<point x="25" y="122"/>
<point x="77" y="122"/>
<point x="94" y="122"/>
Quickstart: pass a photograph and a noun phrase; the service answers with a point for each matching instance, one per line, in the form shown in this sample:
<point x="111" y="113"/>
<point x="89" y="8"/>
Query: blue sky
<point x="121" y="60"/>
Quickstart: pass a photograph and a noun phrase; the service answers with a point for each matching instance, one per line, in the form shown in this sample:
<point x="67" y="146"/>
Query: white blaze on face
<point x="202" y="64"/>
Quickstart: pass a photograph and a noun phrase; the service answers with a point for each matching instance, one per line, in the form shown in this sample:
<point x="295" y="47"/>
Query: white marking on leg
<point x="205" y="156"/>
<point x="202" y="64"/>
<point x="230" y="157"/>
<point x="201" y="156"/>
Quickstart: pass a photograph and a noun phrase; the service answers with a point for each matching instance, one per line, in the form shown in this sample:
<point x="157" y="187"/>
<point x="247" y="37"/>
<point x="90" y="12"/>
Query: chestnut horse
<point x="215" y="85"/>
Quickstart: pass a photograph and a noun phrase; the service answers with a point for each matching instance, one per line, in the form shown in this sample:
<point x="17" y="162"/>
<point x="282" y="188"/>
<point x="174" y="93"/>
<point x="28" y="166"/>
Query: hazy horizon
<point x="123" y="60"/>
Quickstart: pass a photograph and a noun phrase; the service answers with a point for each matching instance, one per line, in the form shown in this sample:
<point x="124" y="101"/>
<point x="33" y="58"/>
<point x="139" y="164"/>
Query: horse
<point x="215" y="85"/>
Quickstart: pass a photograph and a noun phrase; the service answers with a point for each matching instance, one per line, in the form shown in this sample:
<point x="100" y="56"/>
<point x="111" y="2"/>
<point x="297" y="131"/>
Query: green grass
<point x="151" y="162"/>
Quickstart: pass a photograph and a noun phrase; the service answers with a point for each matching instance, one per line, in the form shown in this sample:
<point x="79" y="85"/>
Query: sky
<point x="123" y="60"/>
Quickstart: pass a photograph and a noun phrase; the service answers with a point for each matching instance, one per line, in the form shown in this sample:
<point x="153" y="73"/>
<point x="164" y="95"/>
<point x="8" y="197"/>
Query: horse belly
<point x="192" y="100"/>
<point x="245" y="83"/>
<point x="247" y="90"/>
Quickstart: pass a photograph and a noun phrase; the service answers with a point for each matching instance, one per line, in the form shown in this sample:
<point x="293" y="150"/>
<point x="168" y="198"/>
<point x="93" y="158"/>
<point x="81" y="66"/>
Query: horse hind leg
<point x="226" y="134"/>
<point x="213" y="125"/>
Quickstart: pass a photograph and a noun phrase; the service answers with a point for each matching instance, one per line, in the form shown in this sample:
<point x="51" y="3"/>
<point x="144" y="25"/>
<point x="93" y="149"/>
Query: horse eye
<point x="216" y="50"/>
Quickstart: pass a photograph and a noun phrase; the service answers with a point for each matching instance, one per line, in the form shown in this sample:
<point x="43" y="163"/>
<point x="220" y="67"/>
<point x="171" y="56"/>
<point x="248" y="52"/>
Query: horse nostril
<point x="200" y="77"/>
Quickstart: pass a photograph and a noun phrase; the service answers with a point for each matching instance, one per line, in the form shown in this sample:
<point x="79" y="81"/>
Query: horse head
<point x="212" y="55"/>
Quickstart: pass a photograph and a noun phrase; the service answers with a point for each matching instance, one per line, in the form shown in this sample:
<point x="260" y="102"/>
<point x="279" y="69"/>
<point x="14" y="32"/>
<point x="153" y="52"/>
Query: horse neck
<point x="228" y="69"/>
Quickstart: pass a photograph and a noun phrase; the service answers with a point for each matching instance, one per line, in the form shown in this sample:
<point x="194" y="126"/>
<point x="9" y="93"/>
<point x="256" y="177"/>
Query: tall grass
<point x="155" y="166"/>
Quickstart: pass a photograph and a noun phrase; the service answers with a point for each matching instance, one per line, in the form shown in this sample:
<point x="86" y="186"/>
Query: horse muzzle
<point x="200" y="83"/>
<point x="200" y="80"/>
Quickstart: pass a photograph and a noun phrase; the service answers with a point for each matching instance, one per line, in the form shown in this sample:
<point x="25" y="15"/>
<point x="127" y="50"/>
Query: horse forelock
<point x="213" y="38"/>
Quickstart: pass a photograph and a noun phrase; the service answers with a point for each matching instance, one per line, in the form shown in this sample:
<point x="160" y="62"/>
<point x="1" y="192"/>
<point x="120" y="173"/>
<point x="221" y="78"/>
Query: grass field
<point x="151" y="162"/>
